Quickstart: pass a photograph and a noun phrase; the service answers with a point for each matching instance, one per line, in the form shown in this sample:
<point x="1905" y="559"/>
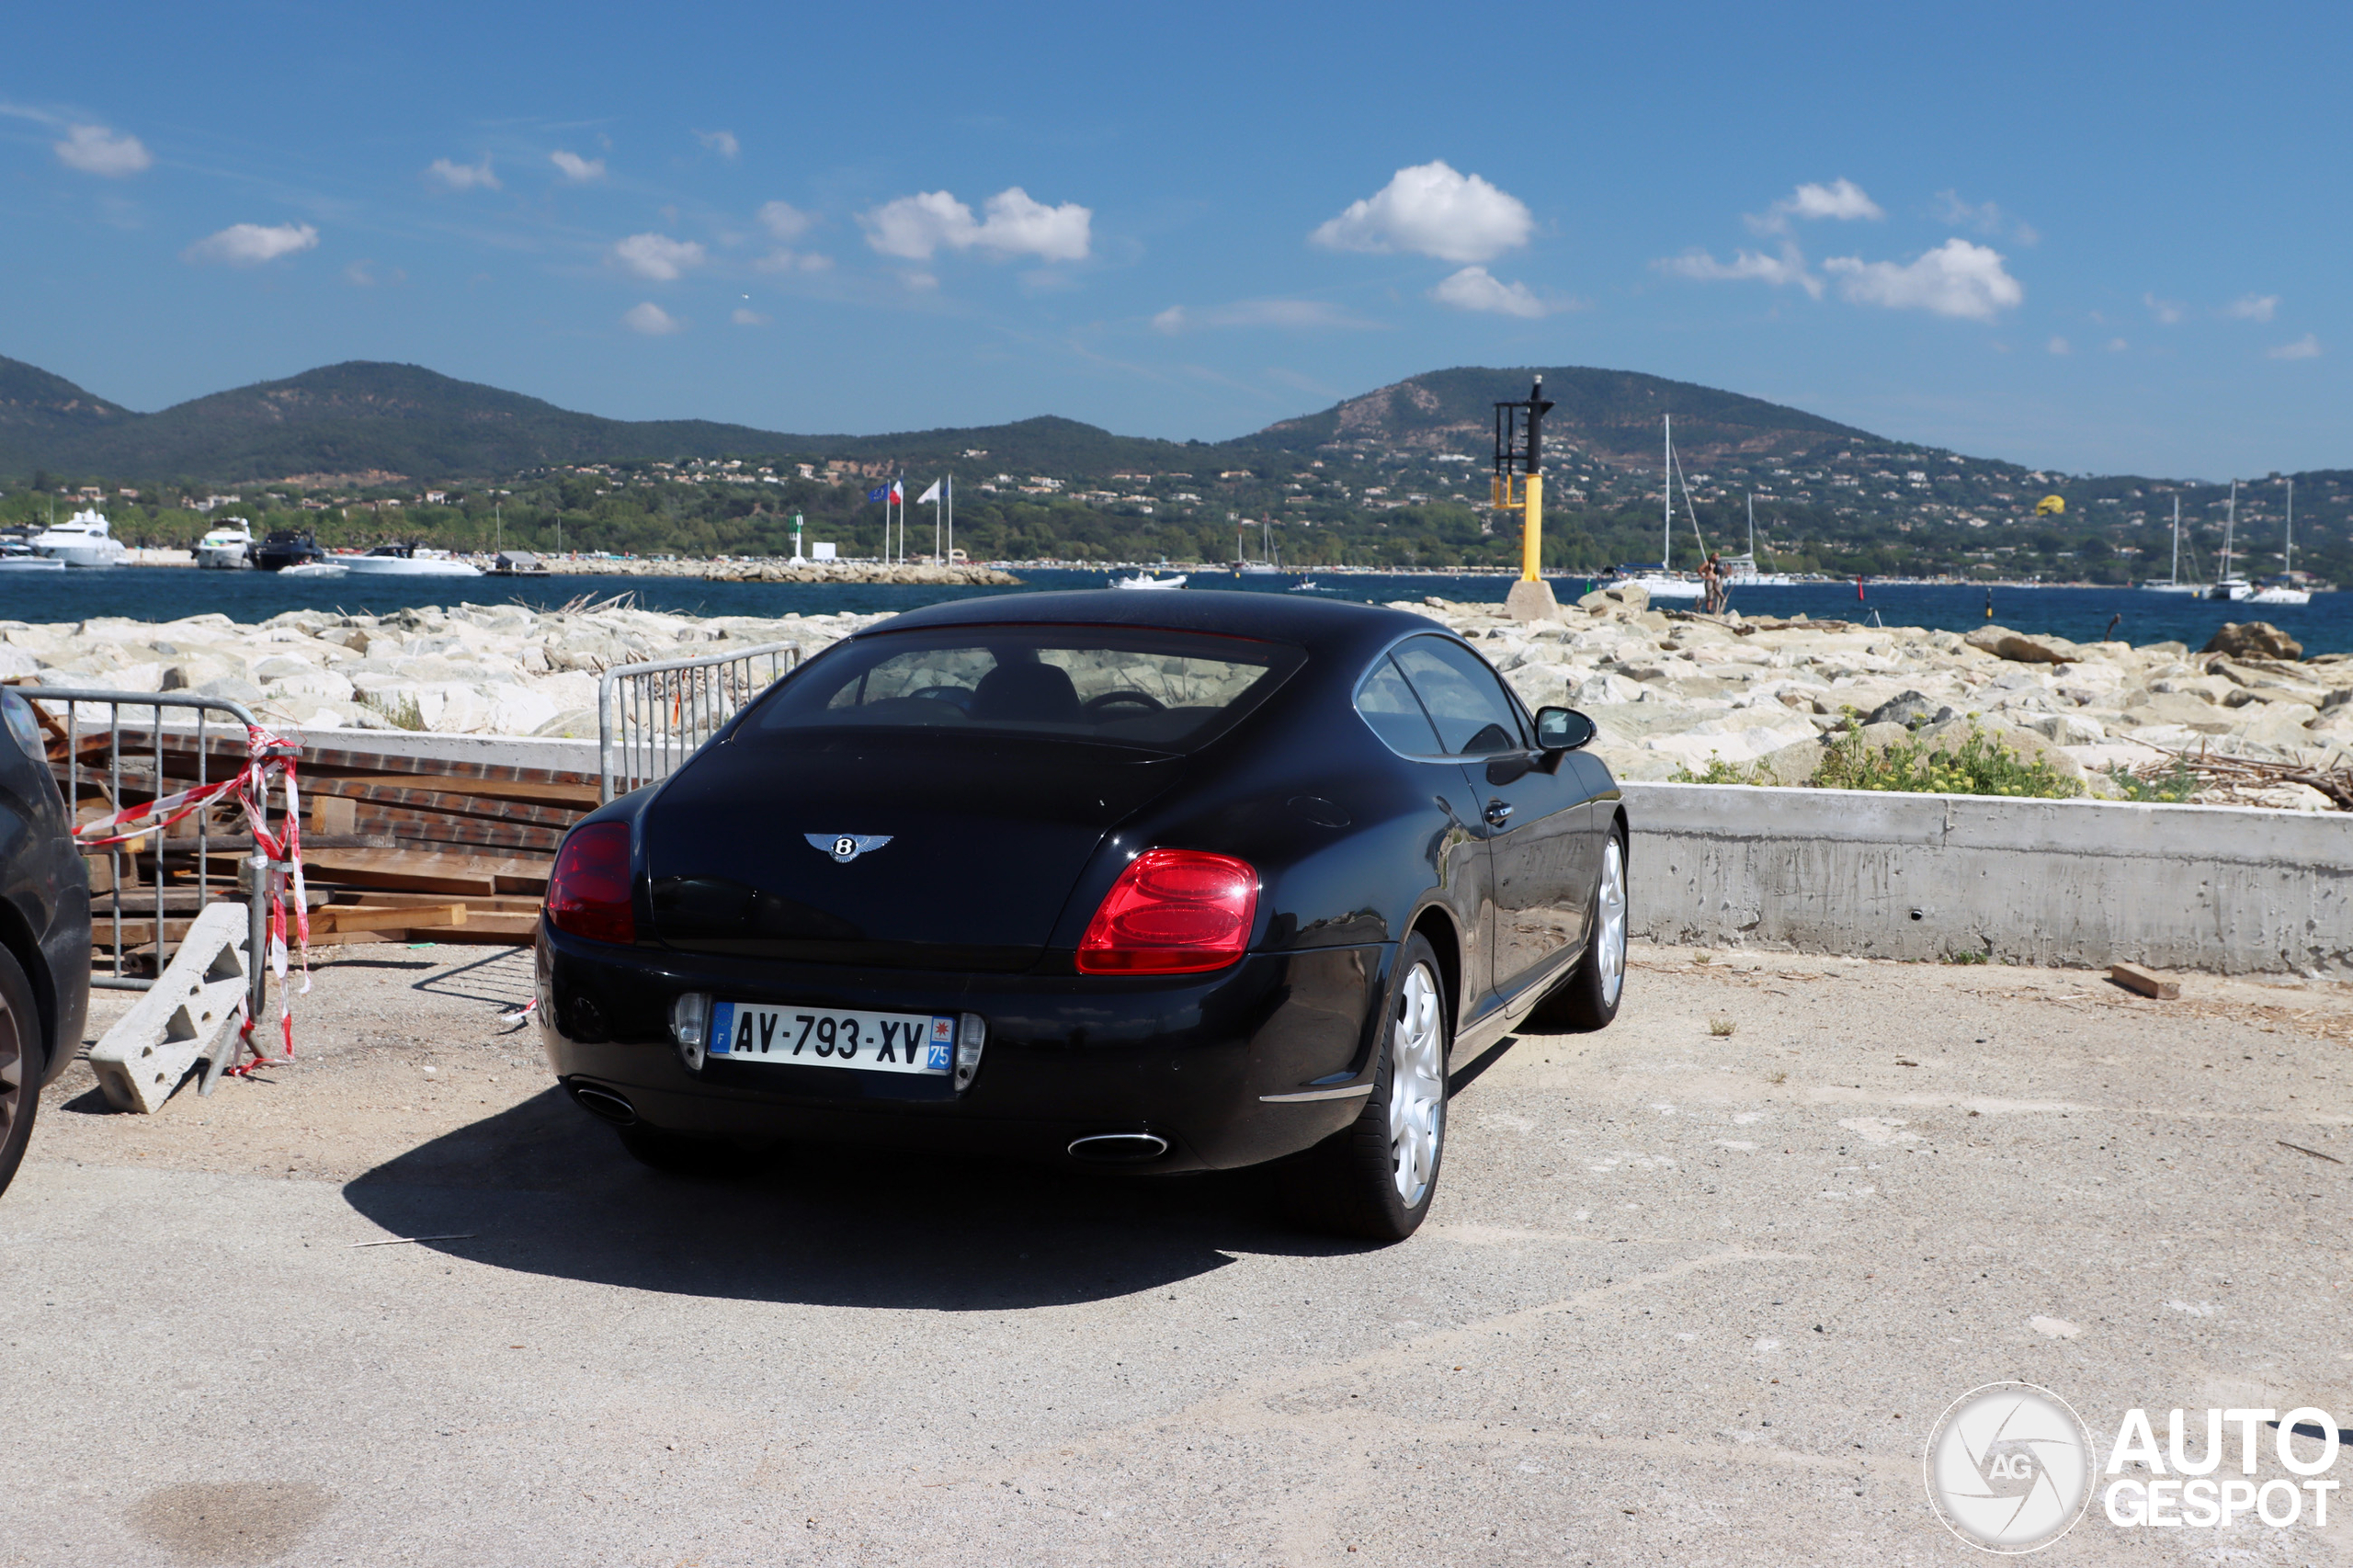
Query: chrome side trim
<point x="1345" y="1092"/>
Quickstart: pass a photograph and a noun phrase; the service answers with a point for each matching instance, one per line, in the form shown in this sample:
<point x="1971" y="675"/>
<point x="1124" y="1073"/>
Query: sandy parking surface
<point x="1687" y="1297"/>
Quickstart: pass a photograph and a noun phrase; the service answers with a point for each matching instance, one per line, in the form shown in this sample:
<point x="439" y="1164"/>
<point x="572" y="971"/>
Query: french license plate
<point x="824" y="1037"/>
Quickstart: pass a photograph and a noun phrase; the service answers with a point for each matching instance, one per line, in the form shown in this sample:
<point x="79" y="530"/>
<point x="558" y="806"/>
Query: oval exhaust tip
<point x="604" y="1105"/>
<point x="1119" y="1148"/>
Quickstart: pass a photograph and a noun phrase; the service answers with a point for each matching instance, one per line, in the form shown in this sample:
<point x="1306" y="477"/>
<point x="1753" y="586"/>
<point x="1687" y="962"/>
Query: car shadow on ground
<point x="543" y="1189"/>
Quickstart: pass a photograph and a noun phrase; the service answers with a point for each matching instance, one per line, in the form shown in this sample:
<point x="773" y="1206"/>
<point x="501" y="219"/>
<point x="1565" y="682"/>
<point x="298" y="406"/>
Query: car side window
<point x="1395" y="714"/>
<point x="1473" y="715"/>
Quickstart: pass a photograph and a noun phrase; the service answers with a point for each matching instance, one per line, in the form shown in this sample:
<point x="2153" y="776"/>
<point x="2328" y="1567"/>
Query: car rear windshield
<point x="1159" y="691"/>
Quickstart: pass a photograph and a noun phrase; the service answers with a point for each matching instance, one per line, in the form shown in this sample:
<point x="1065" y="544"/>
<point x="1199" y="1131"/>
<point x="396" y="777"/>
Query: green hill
<point x="1613" y="415"/>
<point x="371" y="418"/>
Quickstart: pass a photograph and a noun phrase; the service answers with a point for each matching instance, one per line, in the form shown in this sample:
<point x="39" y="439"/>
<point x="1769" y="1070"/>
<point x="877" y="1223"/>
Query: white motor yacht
<point x="404" y="560"/>
<point x="1142" y="580"/>
<point x="83" y="539"/>
<point x="226" y="546"/>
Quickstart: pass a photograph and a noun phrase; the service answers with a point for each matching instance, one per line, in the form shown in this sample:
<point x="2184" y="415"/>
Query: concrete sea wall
<point x="2220" y="888"/>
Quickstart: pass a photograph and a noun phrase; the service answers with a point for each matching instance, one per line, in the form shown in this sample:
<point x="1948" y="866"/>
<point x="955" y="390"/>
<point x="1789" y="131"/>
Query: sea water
<point x="2082" y="615"/>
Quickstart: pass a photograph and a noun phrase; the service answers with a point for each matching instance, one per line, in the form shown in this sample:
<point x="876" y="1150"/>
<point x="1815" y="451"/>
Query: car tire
<point x="675" y="1153"/>
<point x="1589" y="998"/>
<point x="1375" y="1178"/>
<point x="23" y="1058"/>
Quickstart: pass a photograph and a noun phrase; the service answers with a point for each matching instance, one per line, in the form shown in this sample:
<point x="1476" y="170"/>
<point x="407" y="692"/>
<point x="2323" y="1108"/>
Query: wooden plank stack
<point x="461" y="848"/>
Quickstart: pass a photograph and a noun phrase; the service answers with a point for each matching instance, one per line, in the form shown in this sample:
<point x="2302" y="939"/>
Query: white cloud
<point x="1432" y="210"/>
<point x="2118" y="346"/>
<point x="785" y="221"/>
<point x="919" y="282"/>
<point x="1787" y="268"/>
<point x="722" y="143"/>
<point x="250" y="244"/>
<point x="364" y="274"/>
<point x="745" y="316"/>
<point x="657" y="256"/>
<point x="2059" y="346"/>
<point x="1986" y="217"/>
<point x="2167" y="311"/>
<point x="2304" y="347"/>
<point x="918" y="226"/>
<point x="1294" y="315"/>
<point x="452" y="175"/>
<point x="1957" y="279"/>
<point x="1476" y="289"/>
<point x="95" y="150"/>
<point x="652" y="320"/>
<point x="785" y="260"/>
<point x="1841" y="198"/>
<point x="2253" y="307"/>
<point x="577" y="170"/>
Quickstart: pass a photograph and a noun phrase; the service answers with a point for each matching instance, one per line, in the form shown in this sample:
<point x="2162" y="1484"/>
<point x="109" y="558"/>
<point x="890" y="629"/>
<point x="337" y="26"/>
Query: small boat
<point x="16" y="555"/>
<point x="285" y="547"/>
<point x="84" y="540"/>
<point x="1305" y="585"/>
<point x="2282" y="589"/>
<point x="2227" y="587"/>
<point x="2173" y="583"/>
<point x="226" y="546"/>
<point x="404" y="560"/>
<point x="1143" y="580"/>
<point x="1653" y="579"/>
<point x="313" y="568"/>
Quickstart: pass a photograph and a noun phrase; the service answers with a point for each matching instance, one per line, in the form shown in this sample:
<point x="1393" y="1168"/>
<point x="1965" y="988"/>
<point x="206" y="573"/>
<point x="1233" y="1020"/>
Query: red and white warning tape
<point x="267" y="757"/>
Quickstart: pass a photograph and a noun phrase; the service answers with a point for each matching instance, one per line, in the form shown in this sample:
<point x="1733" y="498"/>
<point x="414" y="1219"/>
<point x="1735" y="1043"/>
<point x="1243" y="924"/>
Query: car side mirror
<point x="1563" y="729"/>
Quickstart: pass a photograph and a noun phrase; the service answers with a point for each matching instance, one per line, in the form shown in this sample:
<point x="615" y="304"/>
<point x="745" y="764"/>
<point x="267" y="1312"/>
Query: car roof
<point x="1318" y="625"/>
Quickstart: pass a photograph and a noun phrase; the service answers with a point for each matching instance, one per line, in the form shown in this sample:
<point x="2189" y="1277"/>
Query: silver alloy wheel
<point x="13" y="1087"/>
<point x="1417" y="1085"/>
<point x="1609" y="923"/>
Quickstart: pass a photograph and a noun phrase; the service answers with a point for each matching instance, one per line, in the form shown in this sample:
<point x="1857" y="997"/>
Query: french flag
<point x="898" y="492"/>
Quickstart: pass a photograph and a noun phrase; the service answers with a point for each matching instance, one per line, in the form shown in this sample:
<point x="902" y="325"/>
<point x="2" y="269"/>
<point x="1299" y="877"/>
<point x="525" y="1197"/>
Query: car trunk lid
<point x="958" y="857"/>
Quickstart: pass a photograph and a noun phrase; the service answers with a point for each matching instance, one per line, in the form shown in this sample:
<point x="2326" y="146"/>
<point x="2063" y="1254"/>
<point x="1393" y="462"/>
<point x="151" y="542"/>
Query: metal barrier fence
<point x="123" y="765"/>
<point x="651" y="717"/>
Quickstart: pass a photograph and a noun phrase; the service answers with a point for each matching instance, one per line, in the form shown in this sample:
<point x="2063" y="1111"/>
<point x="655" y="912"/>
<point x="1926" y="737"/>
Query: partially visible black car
<point x="286" y="547"/>
<point x="45" y="931"/>
<point x="1170" y="881"/>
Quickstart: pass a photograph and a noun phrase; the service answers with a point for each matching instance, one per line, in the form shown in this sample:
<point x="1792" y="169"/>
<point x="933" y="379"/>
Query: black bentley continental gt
<point x="1173" y="882"/>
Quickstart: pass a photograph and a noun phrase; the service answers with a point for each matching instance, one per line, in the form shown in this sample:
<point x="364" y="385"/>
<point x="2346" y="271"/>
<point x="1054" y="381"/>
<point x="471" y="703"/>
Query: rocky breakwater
<point x="912" y="574"/>
<point x="1672" y="692"/>
<point x="469" y="669"/>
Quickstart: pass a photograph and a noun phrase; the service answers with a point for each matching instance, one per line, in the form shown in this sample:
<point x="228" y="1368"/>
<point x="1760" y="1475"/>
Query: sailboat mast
<point x="2230" y="525"/>
<point x="1751" y="527"/>
<point x="1667" y="502"/>
<point x="2174" y="579"/>
<point x="2290" y="565"/>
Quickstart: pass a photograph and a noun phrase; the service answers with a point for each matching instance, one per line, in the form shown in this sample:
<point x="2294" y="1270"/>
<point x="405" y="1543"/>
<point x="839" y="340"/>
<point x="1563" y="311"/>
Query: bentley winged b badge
<point x="846" y="846"/>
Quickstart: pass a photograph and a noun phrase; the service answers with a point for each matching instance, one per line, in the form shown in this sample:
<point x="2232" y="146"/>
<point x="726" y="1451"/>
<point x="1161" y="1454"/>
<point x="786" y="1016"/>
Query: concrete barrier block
<point x="182" y="1018"/>
<point x="2225" y="889"/>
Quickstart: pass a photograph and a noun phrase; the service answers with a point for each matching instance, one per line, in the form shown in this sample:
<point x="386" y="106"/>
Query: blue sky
<point x="2091" y="237"/>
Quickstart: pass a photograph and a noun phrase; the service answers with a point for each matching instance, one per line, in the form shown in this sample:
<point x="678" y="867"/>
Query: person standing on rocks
<point x="1711" y="585"/>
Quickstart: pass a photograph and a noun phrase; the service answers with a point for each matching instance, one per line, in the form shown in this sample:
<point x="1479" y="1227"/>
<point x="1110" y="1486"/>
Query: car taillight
<point x="589" y="892"/>
<point x="1172" y="911"/>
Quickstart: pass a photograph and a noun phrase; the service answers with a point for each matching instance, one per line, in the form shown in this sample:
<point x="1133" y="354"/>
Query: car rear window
<point x="1159" y="691"/>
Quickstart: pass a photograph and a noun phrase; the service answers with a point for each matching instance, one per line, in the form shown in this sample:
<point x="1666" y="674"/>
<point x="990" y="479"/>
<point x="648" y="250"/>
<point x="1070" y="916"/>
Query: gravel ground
<point x="1688" y="1296"/>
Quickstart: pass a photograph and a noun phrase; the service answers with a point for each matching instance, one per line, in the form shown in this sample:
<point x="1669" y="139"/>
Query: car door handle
<point x="1498" y="813"/>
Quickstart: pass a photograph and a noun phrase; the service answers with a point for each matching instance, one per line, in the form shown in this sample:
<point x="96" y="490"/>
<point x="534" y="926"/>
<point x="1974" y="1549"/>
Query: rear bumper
<point x="1186" y="1058"/>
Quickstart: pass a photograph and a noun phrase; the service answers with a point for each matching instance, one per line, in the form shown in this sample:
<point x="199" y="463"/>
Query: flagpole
<point x="951" y="522"/>
<point x="936" y="558"/>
